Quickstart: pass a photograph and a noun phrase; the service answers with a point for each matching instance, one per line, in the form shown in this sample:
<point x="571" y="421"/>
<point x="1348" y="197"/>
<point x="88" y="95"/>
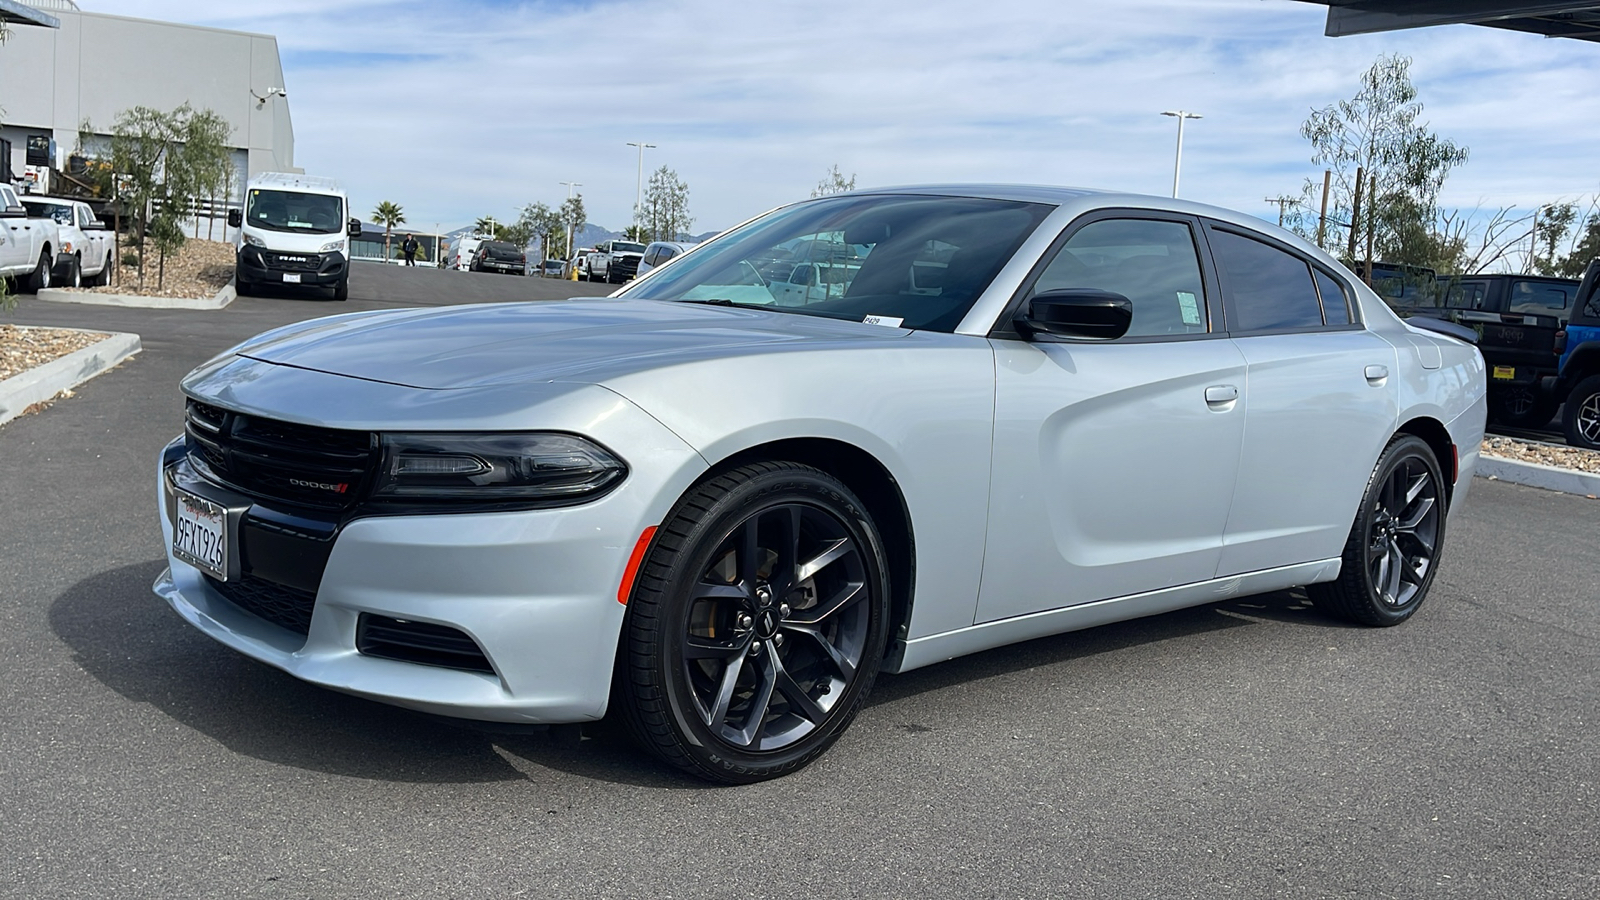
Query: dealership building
<point x="91" y="66"/>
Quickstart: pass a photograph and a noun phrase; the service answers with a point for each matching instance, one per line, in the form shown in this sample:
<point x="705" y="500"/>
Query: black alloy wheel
<point x="1580" y="419"/>
<point x="1393" y="549"/>
<point x="1521" y="406"/>
<point x="757" y="624"/>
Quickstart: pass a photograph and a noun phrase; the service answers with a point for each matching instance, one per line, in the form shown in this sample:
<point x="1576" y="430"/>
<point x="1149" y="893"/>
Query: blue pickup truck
<point x="1577" y="385"/>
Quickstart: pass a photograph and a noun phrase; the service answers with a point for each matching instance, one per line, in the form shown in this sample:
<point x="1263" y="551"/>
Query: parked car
<point x="84" y="246"/>
<point x="576" y="264"/>
<point x="28" y="243"/>
<point x="1577" y="385"/>
<point x="658" y="252"/>
<point x="500" y="256"/>
<point x="720" y="516"/>
<point x="462" y="250"/>
<point x="1520" y="321"/>
<point x="613" y="261"/>
<point x="552" y="268"/>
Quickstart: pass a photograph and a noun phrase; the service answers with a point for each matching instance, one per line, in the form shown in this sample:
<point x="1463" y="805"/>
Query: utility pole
<point x="638" y="193"/>
<point x="1177" y="160"/>
<point x="1283" y="204"/>
<point x="1322" y="218"/>
<point x="570" y="185"/>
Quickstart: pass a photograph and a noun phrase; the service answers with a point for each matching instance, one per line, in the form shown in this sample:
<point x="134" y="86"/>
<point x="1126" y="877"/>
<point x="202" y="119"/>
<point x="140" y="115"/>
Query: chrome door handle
<point x="1377" y="373"/>
<point x="1222" y="393"/>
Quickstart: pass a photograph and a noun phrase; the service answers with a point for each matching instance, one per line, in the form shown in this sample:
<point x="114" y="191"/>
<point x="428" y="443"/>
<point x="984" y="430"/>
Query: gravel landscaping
<point x="1543" y="454"/>
<point x="196" y="272"/>
<point x="22" y="348"/>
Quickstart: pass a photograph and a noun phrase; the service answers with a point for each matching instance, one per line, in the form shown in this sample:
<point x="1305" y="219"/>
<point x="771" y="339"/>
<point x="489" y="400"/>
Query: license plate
<point x="1505" y="373"/>
<point x="291" y="278"/>
<point x="200" y="534"/>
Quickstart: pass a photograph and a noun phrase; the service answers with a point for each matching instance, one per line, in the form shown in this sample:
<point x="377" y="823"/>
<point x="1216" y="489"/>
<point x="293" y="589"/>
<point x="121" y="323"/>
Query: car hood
<point x="585" y="341"/>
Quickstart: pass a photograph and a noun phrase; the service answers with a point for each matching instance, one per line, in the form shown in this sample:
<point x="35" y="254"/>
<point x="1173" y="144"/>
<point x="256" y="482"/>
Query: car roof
<point x="290" y="181"/>
<point x="48" y="198"/>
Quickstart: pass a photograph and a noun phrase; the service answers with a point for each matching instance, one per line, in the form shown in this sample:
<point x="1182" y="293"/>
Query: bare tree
<point x="834" y="183"/>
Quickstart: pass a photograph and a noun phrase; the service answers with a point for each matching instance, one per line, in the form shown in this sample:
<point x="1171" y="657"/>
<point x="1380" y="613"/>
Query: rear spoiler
<point x="1440" y="326"/>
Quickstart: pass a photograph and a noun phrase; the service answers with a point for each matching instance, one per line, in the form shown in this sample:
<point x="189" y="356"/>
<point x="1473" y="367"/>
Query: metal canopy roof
<point x="15" y="13"/>
<point x="1569" y="20"/>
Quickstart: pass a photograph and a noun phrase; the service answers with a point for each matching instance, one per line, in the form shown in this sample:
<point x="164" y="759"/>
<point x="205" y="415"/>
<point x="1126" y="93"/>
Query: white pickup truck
<point x="614" y="262"/>
<point x="83" y="243"/>
<point x="27" y="245"/>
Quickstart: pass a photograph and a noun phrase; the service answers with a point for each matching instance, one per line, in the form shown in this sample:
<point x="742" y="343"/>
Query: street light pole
<point x="570" y="185"/>
<point x="1177" y="161"/>
<point x="638" y="192"/>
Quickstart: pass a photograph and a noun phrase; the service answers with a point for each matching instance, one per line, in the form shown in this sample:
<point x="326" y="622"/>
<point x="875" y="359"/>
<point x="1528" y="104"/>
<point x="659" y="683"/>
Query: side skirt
<point x="918" y="652"/>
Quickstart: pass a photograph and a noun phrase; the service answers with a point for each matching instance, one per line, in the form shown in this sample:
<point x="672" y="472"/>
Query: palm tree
<point x="487" y="225"/>
<point x="389" y="214"/>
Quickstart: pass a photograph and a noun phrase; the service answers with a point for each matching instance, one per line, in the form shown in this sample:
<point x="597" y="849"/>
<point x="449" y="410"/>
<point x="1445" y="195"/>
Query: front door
<point x="1114" y="462"/>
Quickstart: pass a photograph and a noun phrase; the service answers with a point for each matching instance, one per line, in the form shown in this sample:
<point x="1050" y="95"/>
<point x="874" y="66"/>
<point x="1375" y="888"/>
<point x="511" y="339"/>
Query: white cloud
<point x="462" y="109"/>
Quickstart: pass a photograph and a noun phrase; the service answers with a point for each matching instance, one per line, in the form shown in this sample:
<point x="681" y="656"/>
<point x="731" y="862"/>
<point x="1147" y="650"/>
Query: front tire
<point x="757" y="624"/>
<point x="341" y="291"/>
<point x="1392" y="553"/>
<point x="71" y="273"/>
<point x="40" y="279"/>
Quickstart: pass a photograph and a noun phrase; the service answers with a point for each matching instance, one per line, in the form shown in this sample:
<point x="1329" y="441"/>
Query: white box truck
<point x="294" y="229"/>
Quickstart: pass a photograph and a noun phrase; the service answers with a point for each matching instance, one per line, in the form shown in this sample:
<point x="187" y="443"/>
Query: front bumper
<point x="535" y="590"/>
<point x="269" y="266"/>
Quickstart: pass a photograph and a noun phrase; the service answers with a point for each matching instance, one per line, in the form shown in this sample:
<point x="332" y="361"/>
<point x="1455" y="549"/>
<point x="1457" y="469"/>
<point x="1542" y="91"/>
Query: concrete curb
<point x="222" y="298"/>
<point x="1551" y="478"/>
<point x="40" y="383"/>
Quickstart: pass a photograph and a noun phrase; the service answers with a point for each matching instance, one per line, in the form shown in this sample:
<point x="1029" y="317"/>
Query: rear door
<point x="1319" y="402"/>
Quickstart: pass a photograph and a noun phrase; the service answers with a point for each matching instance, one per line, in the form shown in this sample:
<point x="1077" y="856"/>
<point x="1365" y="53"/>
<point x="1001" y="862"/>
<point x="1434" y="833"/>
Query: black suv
<point x="499" y="256"/>
<point x="1520" y="321"/>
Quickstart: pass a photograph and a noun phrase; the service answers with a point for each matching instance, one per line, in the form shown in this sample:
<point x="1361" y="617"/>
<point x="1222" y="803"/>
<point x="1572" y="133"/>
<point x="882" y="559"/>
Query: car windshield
<point x="61" y="212"/>
<point x="294" y="211"/>
<point x="913" y="261"/>
<point x="623" y="247"/>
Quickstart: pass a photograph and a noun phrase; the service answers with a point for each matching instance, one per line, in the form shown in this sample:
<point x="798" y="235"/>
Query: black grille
<point x="302" y="262"/>
<point x="279" y="604"/>
<point x="324" y="468"/>
<point x="419" y="642"/>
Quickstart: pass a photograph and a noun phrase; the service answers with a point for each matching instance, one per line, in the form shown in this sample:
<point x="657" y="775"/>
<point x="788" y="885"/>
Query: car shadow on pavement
<point x="125" y="637"/>
<point x="1289" y="607"/>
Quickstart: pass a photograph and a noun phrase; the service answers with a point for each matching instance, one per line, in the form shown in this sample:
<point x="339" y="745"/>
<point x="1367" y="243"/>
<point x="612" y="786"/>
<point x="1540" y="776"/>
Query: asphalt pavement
<point x="1251" y="748"/>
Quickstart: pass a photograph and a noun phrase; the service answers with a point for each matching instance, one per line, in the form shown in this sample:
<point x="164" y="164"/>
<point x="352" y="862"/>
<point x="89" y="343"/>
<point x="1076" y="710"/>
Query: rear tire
<point x="756" y="626"/>
<point x="1392" y="553"/>
<point x="103" y="277"/>
<point x="1581" y="417"/>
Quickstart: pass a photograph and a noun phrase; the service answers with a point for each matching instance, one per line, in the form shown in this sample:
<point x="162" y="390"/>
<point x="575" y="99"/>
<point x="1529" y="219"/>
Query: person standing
<point x="410" y="248"/>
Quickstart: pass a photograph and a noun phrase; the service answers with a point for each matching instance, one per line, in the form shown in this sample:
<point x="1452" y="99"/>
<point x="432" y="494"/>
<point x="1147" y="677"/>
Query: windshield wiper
<point x="716" y="301"/>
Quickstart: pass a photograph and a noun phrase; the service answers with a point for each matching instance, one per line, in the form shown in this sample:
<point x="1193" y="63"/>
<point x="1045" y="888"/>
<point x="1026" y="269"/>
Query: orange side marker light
<point x="625" y="589"/>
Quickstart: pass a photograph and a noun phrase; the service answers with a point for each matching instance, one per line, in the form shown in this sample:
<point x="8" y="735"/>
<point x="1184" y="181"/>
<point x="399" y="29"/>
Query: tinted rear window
<point x="501" y="250"/>
<point x="1541" y="298"/>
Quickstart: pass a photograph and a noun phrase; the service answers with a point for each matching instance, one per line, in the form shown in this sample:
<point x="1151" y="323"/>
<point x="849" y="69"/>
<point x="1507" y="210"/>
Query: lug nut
<point x="777" y="640"/>
<point x="763" y="593"/>
<point x="783" y="610"/>
<point x="755" y="648"/>
<point x="745" y="621"/>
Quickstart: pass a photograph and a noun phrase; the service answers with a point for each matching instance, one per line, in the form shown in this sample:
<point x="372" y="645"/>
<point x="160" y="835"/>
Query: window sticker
<point x="1190" y="309"/>
<point x="887" y="321"/>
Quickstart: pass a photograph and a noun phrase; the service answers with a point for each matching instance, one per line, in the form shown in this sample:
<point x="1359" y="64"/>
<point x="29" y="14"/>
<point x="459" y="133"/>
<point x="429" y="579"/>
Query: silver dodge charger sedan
<point x="862" y="433"/>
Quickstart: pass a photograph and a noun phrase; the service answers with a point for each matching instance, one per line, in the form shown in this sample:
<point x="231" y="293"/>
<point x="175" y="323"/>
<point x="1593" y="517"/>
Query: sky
<point x="466" y="108"/>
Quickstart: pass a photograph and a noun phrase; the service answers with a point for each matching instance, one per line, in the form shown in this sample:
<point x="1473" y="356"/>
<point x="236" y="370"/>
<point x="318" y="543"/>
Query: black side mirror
<point x="235" y="218"/>
<point x="353" y="228"/>
<point x="1077" y="313"/>
<point x="14" y="212"/>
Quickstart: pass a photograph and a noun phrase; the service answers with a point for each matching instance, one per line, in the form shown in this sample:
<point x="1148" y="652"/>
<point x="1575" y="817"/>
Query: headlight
<point x="506" y="470"/>
<point x="332" y="246"/>
<point x="254" y="241"/>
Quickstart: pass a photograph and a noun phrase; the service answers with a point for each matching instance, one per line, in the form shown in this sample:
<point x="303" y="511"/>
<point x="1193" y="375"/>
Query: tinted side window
<point x="666" y="253"/>
<point x="651" y="255"/>
<point x="1335" y="300"/>
<point x="1540" y="298"/>
<point x="1264" y="287"/>
<point x="1467" y="295"/>
<point x="1152" y="263"/>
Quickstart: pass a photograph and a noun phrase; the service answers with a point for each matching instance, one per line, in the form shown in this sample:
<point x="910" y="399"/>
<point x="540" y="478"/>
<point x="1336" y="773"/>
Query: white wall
<point x="95" y="66"/>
